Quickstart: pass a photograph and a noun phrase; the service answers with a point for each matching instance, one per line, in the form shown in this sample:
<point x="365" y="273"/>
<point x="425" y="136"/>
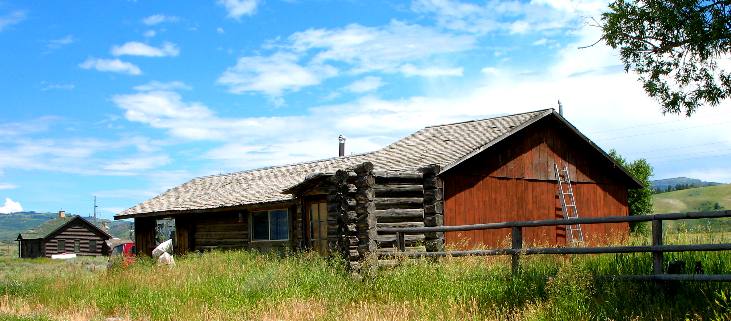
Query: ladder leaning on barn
<point x="573" y="231"/>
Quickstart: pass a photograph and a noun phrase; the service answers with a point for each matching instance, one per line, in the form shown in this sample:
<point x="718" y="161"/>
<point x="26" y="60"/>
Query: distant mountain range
<point x="662" y="184"/>
<point x="14" y="223"/>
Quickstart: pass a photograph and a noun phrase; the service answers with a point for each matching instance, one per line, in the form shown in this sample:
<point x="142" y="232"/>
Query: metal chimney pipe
<point x="341" y="146"/>
<point x="560" y="108"/>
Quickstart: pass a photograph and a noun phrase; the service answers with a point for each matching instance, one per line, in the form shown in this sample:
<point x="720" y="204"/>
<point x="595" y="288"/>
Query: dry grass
<point x="241" y="285"/>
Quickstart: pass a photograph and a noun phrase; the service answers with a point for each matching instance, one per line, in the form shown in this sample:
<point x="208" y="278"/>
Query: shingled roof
<point x="440" y="145"/>
<point x="49" y="227"/>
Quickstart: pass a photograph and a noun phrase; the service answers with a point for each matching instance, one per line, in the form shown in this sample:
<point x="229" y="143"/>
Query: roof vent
<point x="341" y="146"/>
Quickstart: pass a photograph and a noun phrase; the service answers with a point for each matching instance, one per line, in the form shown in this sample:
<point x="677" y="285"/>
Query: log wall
<point x="145" y="235"/>
<point x="399" y="202"/>
<point x="220" y="231"/>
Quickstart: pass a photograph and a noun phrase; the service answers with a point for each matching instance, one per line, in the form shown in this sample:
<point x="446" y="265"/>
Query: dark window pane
<point x="61" y="246"/>
<point x="279" y="225"/>
<point x="260" y="225"/>
<point x="92" y="246"/>
<point x="77" y="246"/>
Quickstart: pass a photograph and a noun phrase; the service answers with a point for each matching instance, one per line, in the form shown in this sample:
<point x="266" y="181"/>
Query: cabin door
<point x="317" y="226"/>
<point x="35" y="249"/>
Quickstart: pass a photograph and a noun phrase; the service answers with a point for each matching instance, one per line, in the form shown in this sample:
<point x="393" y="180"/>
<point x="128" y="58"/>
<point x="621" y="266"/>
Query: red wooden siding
<point x="514" y="181"/>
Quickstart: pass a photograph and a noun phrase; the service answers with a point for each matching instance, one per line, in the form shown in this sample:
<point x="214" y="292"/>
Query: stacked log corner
<point x="365" y="209"/>
<point x="345" y="238"/>
<point x="433" y="208"/>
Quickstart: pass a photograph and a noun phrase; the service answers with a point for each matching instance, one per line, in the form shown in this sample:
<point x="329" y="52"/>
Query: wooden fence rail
<point x="657" y="248"/>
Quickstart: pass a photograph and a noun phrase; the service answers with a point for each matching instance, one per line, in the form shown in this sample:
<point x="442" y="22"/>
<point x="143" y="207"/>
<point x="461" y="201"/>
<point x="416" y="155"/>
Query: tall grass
<point x="243" y="285"/>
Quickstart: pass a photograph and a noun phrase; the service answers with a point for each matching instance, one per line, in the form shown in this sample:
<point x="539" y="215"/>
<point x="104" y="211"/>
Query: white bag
<point x="164" y="247"/>
<point x="166" y="259"/>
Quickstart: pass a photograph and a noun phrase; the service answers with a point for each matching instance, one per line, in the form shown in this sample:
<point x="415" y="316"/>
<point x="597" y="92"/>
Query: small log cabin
<point x="72" y="234"/>
<point x="482" y="171"/>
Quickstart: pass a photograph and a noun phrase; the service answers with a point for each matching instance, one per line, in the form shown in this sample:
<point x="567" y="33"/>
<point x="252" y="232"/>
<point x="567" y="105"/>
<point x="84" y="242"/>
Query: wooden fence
<point x="658" y="248"/>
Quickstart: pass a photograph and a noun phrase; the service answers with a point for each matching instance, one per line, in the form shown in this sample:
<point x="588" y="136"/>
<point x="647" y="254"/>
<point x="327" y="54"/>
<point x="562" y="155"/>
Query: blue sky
<point x="125" y="99"/>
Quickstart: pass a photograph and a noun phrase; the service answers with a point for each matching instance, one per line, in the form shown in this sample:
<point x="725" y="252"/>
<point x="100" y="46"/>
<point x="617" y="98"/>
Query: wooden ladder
<point x="573" y="231"/>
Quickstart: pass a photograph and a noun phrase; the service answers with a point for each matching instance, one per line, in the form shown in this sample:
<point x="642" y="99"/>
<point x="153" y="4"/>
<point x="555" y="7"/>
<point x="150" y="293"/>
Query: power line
<point x="665" y="131"/>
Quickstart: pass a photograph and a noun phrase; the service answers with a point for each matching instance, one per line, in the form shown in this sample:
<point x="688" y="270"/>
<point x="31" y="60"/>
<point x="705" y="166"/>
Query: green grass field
<point x="8" y="250"/>
<point x="696" y="199"/>
<point x="693" y="199"/>
<point x="242" y="285"/>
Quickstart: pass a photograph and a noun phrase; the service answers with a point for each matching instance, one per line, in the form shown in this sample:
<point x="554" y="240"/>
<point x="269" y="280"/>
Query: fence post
<point x="517" y="235"/>
<point x="657" y="256"/>
<point x="401" y="241"/>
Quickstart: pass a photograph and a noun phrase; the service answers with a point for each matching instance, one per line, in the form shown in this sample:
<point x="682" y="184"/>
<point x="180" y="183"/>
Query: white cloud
<point x="166" y="109"/>
<point x="60" y="42"/>
<point x="56" y="86"/>
<point x="384" y="48"/>
<point x="7" y="186"/>
<point x="157" y="86"/>
<point x="158" y="19"/>
<point x="366" y="84"/>
<point x="12" y="18"/>
<point x="430" y="72"/>
<point x="10" y="207"/>
<point x="134" y="48"/>
<point x="307" y="58"/>
<point x="220" y="30"/>
<point x="273" y="75"/>
<point x="149" y="33"/>
<point x="137" y="163"/>
<point x="21" y="149"/>
<point x="492" y="71"/>
<point x="540" y="42"/>
<point x="238" y="8"/>
<point x="111" y="65"/>
<point x="508" y="16"/>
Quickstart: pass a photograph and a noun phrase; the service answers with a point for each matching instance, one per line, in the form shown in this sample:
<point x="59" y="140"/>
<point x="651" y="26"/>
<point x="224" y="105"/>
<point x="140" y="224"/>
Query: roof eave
<point x="74" y="219"/>
<point x="203" y="210"/>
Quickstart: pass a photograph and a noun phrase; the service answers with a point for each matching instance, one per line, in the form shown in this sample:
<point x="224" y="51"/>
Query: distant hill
<point x="707" y="198"/>
<point x="13" y="224"/>
<point x="662" y="184"/>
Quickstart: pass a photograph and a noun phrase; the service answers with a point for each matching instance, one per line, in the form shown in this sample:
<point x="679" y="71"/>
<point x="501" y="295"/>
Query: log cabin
<point x="64" y="234"/>
<point x="481" y="171"/>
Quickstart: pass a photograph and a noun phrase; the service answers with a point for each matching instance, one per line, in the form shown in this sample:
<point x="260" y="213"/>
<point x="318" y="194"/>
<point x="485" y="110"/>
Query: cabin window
<point x="92" y="246"/>
<point x="77" y="246"/>
<point x="61" y="246"/>
<point x="270" y="225"/>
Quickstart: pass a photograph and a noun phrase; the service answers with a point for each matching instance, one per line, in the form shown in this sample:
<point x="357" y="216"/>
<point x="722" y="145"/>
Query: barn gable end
<point x="514" y="180"/>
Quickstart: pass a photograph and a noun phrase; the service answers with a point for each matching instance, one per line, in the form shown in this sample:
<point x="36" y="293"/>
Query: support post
<point x="517" y="236"/>
<point x="401" y="241"/>
<point x="657" y="256"/>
